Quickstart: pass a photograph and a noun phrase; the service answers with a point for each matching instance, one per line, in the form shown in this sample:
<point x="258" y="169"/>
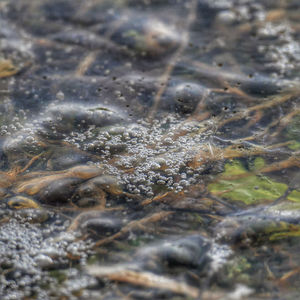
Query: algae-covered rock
<point x="236" y="270"/>
<point x="238" y="184"/>
<point x="294" y="196"/>
<point x="261" y="225"/>
<point x="294" y="145"/>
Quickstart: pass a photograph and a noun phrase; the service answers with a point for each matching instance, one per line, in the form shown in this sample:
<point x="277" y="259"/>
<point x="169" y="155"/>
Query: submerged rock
<point x="190" y="252"/>
<point x="261" y="225"/>
<point x="63" y="119"/>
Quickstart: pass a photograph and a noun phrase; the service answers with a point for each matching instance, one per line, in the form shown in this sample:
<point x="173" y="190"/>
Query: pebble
<point x="43" y="260"/>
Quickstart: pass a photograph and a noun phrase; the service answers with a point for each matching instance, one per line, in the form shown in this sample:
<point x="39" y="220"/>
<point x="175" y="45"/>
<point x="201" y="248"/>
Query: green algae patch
<point x="236" y="270"/>
<point x="294" y="145"/>
<point x="262" y="225"/>
<point x="238" y="184"/>
<point x="283" y="230"/>
<point x="291" y="232"/>
<point x="275" y="230"/>
<point x="257" y="164"/>
<point x="294" y="196"/>
<point x="285" y="221"/>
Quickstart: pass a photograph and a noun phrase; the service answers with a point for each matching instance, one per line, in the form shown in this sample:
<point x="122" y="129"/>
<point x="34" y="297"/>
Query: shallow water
<point x="149" y="149"/>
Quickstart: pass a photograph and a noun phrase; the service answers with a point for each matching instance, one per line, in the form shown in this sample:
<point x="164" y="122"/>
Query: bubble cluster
<point x="157" y="152"/>
<point x="148" y="156"/>
<point x="29" y="251"/>
<point x="283" y="56"/>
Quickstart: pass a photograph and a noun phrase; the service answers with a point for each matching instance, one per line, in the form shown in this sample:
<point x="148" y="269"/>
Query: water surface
<point x="149" y="149"/>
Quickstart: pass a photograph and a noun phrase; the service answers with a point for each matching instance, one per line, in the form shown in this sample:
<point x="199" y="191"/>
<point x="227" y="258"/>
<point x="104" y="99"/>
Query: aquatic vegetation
<point x="236" y="184"/>
<point x="294" y="196"/>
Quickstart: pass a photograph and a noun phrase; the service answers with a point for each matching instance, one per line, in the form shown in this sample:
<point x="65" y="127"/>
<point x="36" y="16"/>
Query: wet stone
<point x="43" y="260"/>
<point x="105" y="182"/>
<point x="66" y="118"/>
<point x="60" y="191"/>
<point x="86" y="202"/>
<point x="22" y="145"/>
<point x="3" y="192"/>
<point x="261" y="225"/>
<point x="31" y="215"/>
<point x="98" y="223"/>
<point x="150" y="37"/>
<point x="190" y="251"/>
<point x="56" y="10"/>
<point x="187" y="96"/>
<point x="81" y="38"/>
<point x="101" y="226"/>
<point x="96" y="191"/>
<point x="61" y="160"/>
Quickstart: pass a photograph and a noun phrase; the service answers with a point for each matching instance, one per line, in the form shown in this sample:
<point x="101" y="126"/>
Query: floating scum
<point x="144" y="158"/>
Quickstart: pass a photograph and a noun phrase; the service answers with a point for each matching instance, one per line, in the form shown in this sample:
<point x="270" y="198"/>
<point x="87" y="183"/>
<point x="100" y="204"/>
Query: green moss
<point x="285" y="234"/>
<point x="294" y="145"/>
<point x="235" y="167"/>
<point x="237" y="270"/>
<point x="283" y="230"/>
<point x="275" y="228"/>
<point x="294" y="196"/>
<point x="237" y="184"/>
<point x="258" y="163"/>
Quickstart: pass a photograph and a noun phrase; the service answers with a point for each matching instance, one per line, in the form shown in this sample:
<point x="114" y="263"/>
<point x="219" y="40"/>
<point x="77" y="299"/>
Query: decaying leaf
<point x="7" y="68"/>
<point x="20" y="202"/>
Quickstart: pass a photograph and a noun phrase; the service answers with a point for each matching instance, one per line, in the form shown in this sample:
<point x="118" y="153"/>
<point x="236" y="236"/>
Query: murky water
<point x="149" y="149"/>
